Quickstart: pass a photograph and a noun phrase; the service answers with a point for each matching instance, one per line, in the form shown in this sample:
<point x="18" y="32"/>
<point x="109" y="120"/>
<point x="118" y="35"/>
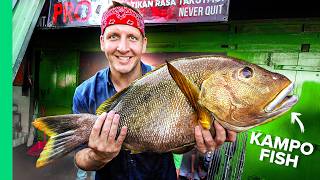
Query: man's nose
<point x="123" y="46"/>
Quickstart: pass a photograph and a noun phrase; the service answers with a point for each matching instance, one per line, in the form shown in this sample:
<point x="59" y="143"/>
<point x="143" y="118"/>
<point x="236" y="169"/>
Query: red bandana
<point x="122" y="15"/>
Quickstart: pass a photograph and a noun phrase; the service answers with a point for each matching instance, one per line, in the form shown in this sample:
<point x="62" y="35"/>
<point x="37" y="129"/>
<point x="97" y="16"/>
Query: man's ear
<point x="102" y="42"/>
<point x="145" y="42"/>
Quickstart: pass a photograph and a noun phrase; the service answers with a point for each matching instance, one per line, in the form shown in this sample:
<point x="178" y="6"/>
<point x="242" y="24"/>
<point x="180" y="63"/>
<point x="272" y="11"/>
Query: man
<point x="123" y="41"/>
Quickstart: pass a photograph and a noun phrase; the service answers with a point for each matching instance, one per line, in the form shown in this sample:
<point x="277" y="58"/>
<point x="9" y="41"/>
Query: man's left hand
<point x="205" y="142"/>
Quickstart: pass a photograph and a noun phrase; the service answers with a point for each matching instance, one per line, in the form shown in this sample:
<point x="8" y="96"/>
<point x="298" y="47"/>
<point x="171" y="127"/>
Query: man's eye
<point x="133" y="38"/>
<point x="113" y="37"/>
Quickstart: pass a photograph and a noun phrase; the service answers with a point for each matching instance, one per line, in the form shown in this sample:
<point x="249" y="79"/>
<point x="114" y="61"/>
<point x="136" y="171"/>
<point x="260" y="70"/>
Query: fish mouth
<point x="280" y="99"/>
<point x="283" y="106"/>
<point x="282" y="103"/>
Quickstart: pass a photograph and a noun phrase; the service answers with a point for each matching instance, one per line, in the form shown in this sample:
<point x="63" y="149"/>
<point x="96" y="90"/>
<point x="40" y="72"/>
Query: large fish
<point x="162" y="108"/>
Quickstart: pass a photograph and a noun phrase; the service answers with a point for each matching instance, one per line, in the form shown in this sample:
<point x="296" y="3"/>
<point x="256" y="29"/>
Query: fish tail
<point x="66" y="132"/>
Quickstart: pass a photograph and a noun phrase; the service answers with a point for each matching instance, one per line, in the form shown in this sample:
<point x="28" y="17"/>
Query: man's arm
<point x="103" y="145"/>
<point x="205" y="142"/>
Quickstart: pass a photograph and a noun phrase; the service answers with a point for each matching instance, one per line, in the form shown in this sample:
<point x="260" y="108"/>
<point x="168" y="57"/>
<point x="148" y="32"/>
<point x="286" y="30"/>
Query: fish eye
<point x="246" y="72"/>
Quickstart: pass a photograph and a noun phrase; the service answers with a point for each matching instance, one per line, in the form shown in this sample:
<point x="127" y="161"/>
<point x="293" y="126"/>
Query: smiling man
<point x="123" y="41"/>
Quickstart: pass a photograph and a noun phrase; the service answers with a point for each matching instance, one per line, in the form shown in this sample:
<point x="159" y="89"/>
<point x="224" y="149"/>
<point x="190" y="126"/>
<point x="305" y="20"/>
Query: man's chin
<point x="124" y="69"/>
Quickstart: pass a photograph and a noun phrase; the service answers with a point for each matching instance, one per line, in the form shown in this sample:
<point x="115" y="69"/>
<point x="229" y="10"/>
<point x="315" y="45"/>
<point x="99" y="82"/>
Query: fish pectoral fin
<point x="204" y="118"/>
<point x="191" y="91"/>
<point x="188" y="88"/>
<point x="106" y="105"/>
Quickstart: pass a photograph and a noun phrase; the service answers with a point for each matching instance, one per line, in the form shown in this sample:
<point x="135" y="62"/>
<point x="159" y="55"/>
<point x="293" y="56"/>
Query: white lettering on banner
<point x="280" y="158"/>
<point x="191" y="11"/>
<point x="213" y="10"/>
<point x="142" y="4"/>
<point x="160" y="3"/>
<point x="189" y="2"/>
<point x="198" y="11"/>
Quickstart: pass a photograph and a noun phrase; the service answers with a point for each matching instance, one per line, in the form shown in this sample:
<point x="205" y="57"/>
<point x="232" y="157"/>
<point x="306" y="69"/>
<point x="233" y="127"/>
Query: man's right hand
<point x="103" y="140"/>
<point x="103" y="145"/>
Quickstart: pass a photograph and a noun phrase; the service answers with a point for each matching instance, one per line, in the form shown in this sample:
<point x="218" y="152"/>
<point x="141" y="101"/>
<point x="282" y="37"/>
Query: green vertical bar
<point x="6" y="89"/>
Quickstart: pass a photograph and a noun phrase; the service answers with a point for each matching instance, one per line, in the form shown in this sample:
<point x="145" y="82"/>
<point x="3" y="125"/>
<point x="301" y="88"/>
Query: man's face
<point x="123" y="46"/>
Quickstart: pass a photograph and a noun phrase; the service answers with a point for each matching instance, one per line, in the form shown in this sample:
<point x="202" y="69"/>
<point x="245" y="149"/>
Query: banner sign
<point x="70" y="13"/>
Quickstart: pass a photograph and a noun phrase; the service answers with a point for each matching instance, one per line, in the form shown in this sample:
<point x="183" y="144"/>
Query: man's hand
<point x="103" y="140"/>
<point x="205" y="142"/>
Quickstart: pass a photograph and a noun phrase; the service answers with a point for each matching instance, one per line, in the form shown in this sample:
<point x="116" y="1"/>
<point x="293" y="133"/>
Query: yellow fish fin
<point x="63" y="131"/>
<point x="107" y="104"/>
<point x="191" y="91"/>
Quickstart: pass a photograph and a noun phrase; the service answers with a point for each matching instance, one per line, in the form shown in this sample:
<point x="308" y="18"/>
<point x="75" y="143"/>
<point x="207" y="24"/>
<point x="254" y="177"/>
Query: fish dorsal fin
<point x="106" y="105"/>
<point x="191" y="91"/>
